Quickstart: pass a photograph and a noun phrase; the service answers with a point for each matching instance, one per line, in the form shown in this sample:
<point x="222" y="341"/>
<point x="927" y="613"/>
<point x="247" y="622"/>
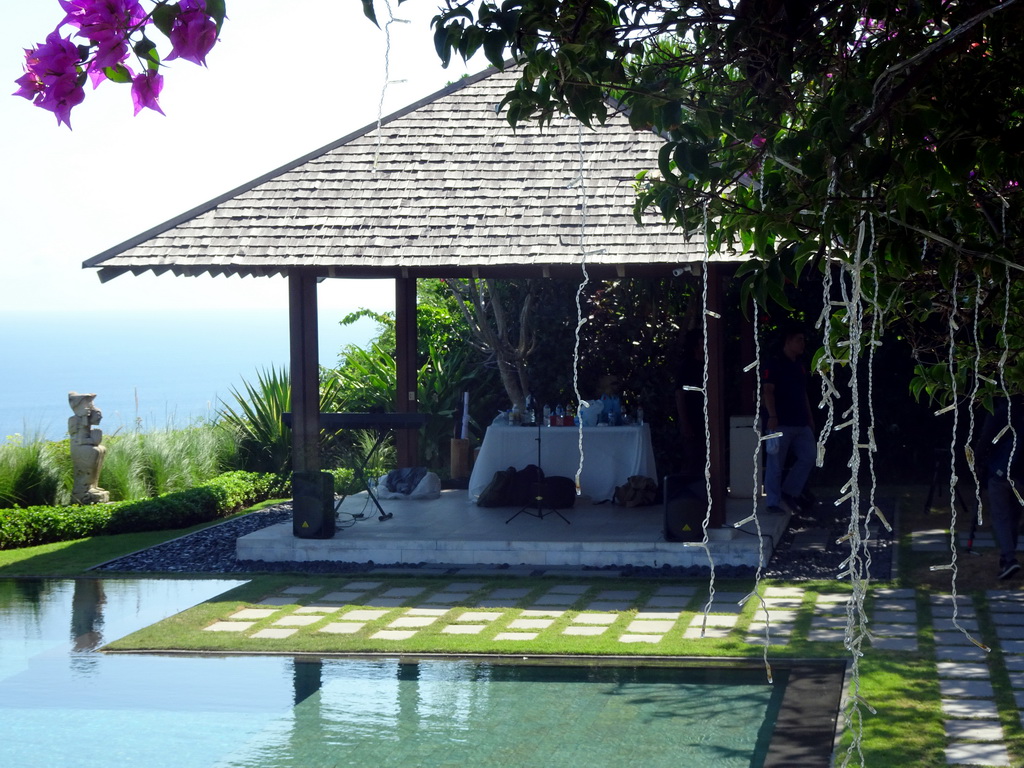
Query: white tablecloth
<point x="610" y="455"/>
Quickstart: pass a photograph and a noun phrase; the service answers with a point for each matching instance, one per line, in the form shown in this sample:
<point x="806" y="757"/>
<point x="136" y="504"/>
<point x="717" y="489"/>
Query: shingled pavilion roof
<point x="445" y="188"/>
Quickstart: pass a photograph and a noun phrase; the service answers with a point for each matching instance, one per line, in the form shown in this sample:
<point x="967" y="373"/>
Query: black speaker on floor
<point x="313" y="505"/>
<point x="685" y="503"/>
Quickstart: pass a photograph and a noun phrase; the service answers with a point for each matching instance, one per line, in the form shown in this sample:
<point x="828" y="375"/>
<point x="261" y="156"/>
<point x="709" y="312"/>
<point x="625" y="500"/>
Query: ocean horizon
<point x="150" y="370"/>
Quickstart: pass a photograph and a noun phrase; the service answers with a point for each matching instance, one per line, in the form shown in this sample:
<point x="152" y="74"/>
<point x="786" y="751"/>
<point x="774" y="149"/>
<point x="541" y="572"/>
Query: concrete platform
<point x="453" y="530"/>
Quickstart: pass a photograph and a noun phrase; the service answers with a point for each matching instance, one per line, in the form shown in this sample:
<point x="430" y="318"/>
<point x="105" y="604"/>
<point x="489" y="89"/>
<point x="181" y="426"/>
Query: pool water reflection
<point x="64" y="704"/>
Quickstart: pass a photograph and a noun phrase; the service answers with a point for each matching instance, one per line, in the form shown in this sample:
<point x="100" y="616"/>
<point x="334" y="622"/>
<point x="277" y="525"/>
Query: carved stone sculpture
<point x="86" y="451"/>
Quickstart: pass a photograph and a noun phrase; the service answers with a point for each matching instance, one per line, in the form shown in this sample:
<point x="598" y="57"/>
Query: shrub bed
<point x="220" y="497"/>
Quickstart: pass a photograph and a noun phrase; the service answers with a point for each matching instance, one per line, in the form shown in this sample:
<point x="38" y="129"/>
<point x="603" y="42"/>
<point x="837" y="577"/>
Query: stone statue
<point x="86" y="451"/>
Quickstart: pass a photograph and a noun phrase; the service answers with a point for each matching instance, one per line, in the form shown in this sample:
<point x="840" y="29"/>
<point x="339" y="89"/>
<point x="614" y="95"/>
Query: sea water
<point x="149" y="370"/>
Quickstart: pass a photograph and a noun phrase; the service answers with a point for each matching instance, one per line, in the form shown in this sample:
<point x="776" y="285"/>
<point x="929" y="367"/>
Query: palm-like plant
<point x="257" y="416"/>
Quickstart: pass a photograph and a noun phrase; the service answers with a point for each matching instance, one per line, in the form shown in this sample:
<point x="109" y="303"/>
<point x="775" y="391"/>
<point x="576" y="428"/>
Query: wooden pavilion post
<point x="312" y="501"/>
<point x="406" y="440"/>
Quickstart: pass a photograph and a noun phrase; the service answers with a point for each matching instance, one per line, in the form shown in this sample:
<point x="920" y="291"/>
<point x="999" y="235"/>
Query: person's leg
<point x="773" y="470"/>
<point x="805" y="450"/>
<point x="1005" y="520"/>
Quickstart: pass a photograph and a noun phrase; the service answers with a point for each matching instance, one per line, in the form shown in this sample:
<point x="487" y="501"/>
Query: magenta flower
<point x="194" y="32"/>
<point x="146" y="90"/>
<point x="106" y="24"/>
<point x="52" y="80"/>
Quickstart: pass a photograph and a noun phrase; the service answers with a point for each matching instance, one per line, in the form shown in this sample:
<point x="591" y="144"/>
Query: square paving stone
<point x="594" y="618"/>
<point x="229" y="626"/>
<point x="894" y="630"/>
<point x="393" y="634"/>
<point x="569" y="589"/>
<point x="974" y="730"/>
<point x="1014" y="663"/>
<point x="318" y="609"/>
<point x="894" y="593"/>
<point x="964" y="709"/>
<point x="1012" y="647"/>
<point x="895" y="643"/>
<point x="413" y="621"/>
<point x="894" y="617"/>
<point x="532" y="614"/>
<point x="363" y="615"/>
<point x="516" y="636"/>
<point x="994" y="755"/>
<point x="609" y="605"/>
<point x="640" y="638"/>
<point x="277" y="601"/>
<point x="952" y="638"/>
<point x="446" y="598"/>
<point x="385" y="602"/>
<point x="342" y="627"/>
<point x="1010" y="631"/>
<point x="832" y="597"/>
<point x="584" y="630"/>
<point x="966" y="689"/>
<point x="772" y="617"/>
<point x="784" y="592"/>
<point x="463" y="629"/>
<point x="667" y="601"/>
<point x="677" y="590"/>
<point x="659" y="615"/>
<point x="530" y="623"/>
<point x="945" y="611"/>
<point x="253" y="613"/>
<point x="364" y="586"/>
<point x="694" y="632"/>
<point x="1004" y="619"/>
<point x="464" y="586"/>
<point x="618" y="594"/>
<point x="301" y="590"/>
<point x="416" y="611"/>
<point x="960" y="653"/>
<point x="509" y="593"/>
<point x="826" y="635"/>
<point x="297" y="621"/>
<point x="342" y="597"/>
<point x="714" y="620"/>
<point x="888" y="604"/>
<point x="274" y="634"/>
<point x="403" y="592"/>
<point x="952" y="670"/>
<point x="947" y="625"/>
<point x="650" y="626"/>
<point x="556" y="599"/>
<point x="479" y="616"/>
<point x="1017" y="679"/>
<point x="781" y="603"/>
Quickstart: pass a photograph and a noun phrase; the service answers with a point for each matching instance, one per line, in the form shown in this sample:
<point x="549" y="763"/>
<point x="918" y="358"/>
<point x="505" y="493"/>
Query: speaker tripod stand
<point x="538" y="492"/>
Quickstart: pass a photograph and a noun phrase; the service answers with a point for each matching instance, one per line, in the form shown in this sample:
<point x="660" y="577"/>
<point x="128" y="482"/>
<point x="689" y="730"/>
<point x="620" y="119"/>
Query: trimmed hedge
<point x="220" y="497"/>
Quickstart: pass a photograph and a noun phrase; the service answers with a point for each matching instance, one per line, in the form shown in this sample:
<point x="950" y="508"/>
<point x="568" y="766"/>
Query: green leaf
<point x="118" y="74"/>
<point x="218" y="10"/>
<point x="369" y="12"/>
<point x="164" y="16"/>
<point x="146" y="50"/>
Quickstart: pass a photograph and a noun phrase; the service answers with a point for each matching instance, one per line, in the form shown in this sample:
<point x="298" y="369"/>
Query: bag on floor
<point x="638" y="491"/>
<point x="498" y="492"/>
<point x="559" y="492"/>
<point x="524" y="485"/>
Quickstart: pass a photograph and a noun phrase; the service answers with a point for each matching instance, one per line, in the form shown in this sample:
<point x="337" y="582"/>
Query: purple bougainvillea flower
<point x="107" y="24"/>
<point x="194" y="32"/>
<point x="51" y="80"/>
<point x="146" y="91"/>
<point x="758" y="141"/>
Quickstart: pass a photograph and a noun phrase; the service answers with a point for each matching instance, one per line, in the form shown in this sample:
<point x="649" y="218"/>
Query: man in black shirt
<point x="788" y="411"/>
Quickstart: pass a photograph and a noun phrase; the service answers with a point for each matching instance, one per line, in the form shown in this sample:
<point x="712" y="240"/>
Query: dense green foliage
<point x="217" y="498"/>
<point x="880" y="136"/>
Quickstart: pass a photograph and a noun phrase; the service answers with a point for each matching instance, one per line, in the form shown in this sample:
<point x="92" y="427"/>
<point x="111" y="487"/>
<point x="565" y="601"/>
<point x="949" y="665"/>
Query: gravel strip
<point x="212" y="550"/>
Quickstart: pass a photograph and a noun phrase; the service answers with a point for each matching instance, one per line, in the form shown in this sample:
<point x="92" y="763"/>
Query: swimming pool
<point x="64" y="704"/>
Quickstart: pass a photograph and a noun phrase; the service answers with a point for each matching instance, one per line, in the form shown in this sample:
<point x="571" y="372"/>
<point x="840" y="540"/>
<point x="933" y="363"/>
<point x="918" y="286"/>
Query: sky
<point x="286" y="77"/>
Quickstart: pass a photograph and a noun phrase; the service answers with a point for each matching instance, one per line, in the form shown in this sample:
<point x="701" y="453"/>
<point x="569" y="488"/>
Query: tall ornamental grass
<point x="138" y="465"/>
